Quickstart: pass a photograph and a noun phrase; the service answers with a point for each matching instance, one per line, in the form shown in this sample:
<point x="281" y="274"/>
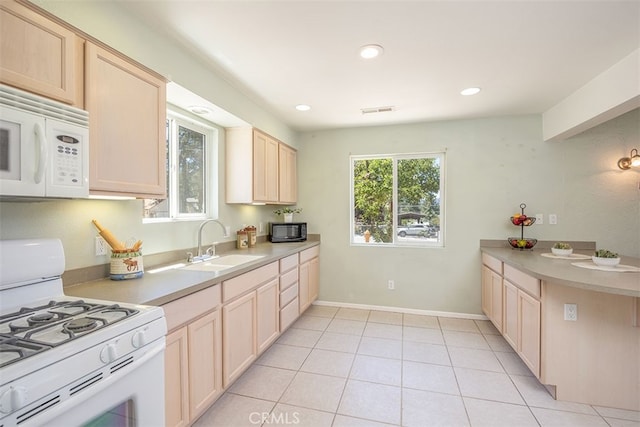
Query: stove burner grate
<point x="81" y="325"/>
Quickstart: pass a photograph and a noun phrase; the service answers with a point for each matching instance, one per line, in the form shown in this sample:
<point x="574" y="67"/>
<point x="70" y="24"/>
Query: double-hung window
<point x="190" y="172"/>
<point x="398" y="199"/>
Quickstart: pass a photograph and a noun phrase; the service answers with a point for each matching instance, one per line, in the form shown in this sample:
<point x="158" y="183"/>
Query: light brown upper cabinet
<point x="259" y="168"/>
<point x="127" y="111"/>
<point x="40" y="55"/>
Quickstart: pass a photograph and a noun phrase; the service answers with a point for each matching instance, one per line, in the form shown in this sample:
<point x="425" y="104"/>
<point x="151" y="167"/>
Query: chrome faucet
<point x="211" y="251"/>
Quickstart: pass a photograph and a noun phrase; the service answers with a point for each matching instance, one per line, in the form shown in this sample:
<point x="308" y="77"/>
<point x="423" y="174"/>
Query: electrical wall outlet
<point x="539" y="219"/>
<point x="261" y="227"/>
<point x="391" y="285"/>
<point x="101" y="246"/>
<point x="553" y="219"/>
<point x="571" y="312"/>
<point x="227" y="231"/>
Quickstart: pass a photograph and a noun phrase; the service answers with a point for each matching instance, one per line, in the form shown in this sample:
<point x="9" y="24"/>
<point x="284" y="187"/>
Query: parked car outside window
<point x="422" y="230"/>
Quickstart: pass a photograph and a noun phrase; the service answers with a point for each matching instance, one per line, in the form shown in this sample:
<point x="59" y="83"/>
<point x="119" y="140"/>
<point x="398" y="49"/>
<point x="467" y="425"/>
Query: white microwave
<point x="44" y="147"/>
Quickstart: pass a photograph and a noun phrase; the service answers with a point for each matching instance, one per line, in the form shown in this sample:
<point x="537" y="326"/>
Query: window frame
<point x="441" y="155"/>
<point x="175" y="119"/>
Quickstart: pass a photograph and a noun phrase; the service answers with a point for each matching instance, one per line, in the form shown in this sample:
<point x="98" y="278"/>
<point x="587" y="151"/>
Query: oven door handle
<point x="41" y="143"/>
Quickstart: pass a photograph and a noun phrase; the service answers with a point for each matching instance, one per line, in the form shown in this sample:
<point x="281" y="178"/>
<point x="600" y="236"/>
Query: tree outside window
<point x="398" y="199"/>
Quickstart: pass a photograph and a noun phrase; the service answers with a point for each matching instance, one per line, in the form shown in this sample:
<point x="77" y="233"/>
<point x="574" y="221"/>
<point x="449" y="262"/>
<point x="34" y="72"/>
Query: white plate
<point x="620" y="268"/>
<point x="572" y="256"/>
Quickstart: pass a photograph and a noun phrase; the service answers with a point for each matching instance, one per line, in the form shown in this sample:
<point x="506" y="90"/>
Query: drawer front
<point x="288" y="315"/>
<point x="310" y="253"/>
<point x="245" y="282"/>
<point x="288" y="295"/>
<point x="493" y="263"/>
<point x="184" y="310"/>
<point x="288" y="263"/>
<point x="527" y="283"/>
<point x="289" y="279"/>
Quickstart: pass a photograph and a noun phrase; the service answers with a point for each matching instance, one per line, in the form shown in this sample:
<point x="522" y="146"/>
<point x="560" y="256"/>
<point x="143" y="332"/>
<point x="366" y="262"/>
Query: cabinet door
<point x="265" y="168"/>
<point x="510" y="310"/>
<point x="39" y="55"/>
<point x="304" y="289"/>
<point x="176" y="379"/>
<point x="486" y="291"/>
<point x="496" y="300"/>
<point x="267" y="317"/>
<point x="314" y="279"/>
<point x="205" y="362"/>
<point x="127" y="107"/>
<point x="239" y="337"/>
<point x="529" y="331"/>
<point x="288" y="188"/>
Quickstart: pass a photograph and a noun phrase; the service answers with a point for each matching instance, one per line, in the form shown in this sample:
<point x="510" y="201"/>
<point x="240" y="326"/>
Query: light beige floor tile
<point x="377" y="370"/>
<point x="512" y="364"/>
<point x="382" y="330"/>
<point x="234" y="410"/>
<point x="344" y="421"/>
<point x="474" y="359"/>
<point x="385" y="317"/>
<point x="321" y="311"/>
<point x="428" y="377"/>
<point x="618" y="422"/>
<point x="535" y="394"/>
<point x="623" y="414"/>
<point x="380" y="347"/>
<point x="287" y="415"/>
<point x="465" y="339"/>
<point x="375" y="402"/>
<point x="352" y="314"/>
<point x="424" y="408"/>
<point x="420" y="321"/>
<point x="426" y="353"/>
<point x="311" y="322"/>
<point x="284" y="356"/>
<point x="263" y="382"/>
<point x="487" y="385"/>
<point x="550" y="417"/>
<point x="498" y="343"/>
<point x="486" y="413"/>
<point x="430" y="336"/>
<point x="300" y="337"/>
<point x="339" y="342"/>
<point x="455" y="324"/>
<point x="345" y="326"/>
<point x="328" y="362"/>
<point x="486" y="327"/>
<point x="314" y="391"/>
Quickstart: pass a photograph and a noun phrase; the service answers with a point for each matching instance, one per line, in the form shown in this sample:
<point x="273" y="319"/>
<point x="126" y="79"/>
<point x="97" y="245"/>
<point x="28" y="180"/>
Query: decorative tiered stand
<point x="522" y="221"/>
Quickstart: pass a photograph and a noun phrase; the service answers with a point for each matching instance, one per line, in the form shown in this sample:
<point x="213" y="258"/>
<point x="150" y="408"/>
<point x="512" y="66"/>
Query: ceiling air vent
<point x="387" y="109"/>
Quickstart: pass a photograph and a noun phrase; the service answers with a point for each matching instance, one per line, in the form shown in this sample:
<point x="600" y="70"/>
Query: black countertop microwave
<point x="280" y="232"/>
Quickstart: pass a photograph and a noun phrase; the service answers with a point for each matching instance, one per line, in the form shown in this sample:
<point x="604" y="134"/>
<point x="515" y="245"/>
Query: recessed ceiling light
<point x="371" y="51"/>
<point x="199" y="110"/>
<point x="470" y="91"/>
<point x="303" y="107"/>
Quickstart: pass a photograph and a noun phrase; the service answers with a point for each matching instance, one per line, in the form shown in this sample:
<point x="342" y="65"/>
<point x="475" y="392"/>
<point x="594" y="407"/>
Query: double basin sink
<point x="213" y="264"/>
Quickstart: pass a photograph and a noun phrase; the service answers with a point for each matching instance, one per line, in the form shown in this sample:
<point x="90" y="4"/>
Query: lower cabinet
<point x="492" y="296"/>
<point x="529" y="331"/>
<point x="193" y="356"/>
<point x="309" y="279"/>
<point x="239" y="320"/>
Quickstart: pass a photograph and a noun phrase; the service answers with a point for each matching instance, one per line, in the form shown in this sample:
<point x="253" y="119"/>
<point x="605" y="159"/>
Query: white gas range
<point x="66" y="361"/>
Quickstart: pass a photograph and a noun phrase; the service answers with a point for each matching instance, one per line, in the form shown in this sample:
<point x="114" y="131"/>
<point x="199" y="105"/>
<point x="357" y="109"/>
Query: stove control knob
<point x="109" y="353"/>
<point x="13" y="399"/>
<point x="139" y="339"/>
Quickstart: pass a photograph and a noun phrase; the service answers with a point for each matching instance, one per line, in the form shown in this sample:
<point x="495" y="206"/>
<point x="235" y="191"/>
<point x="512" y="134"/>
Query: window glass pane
<point x="373" y="199"/>
<point x="418" y="212"/>
<point x="191" y="171"/>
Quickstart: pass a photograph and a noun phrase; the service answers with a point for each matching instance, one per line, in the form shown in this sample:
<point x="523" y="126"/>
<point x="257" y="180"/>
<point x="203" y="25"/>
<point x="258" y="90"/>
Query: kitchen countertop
<point x="166" y="286"/>
<point x="561" y="271"/>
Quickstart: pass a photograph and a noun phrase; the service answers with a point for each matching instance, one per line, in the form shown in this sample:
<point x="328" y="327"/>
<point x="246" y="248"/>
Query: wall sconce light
<point x="632" y="161"/>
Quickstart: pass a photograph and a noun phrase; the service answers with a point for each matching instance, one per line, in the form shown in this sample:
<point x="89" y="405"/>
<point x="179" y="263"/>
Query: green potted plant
<point x="562" y="249"/>
<point x="287" y="212"/>
<point x="606" y="257"/>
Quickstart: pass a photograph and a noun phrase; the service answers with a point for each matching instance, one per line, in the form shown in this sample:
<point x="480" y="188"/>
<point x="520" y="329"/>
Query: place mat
<point x="572" y="256"/>
<point x="620" y="268"/>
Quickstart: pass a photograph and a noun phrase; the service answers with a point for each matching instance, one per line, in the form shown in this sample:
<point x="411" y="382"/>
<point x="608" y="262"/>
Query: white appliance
<point x="72" y="362"/>
<point x="44" y="147"/>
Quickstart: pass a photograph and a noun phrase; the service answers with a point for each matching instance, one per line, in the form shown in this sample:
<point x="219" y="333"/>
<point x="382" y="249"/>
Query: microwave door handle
<point x="42" y="146"/>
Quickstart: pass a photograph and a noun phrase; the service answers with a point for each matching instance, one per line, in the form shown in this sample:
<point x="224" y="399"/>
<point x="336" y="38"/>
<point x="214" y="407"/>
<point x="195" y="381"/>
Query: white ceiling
<point x="525" y="55"/>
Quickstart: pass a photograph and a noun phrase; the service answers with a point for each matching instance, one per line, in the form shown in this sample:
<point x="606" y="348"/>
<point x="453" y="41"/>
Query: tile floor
<point x="346" y="367"/>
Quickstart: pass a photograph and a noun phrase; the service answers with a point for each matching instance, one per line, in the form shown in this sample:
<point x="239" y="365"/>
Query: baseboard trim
<point x="402" y="310"/>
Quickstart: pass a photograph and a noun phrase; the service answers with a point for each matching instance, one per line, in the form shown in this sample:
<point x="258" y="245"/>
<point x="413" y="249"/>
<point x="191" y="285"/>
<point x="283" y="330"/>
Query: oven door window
<point x="120" y="416"/>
